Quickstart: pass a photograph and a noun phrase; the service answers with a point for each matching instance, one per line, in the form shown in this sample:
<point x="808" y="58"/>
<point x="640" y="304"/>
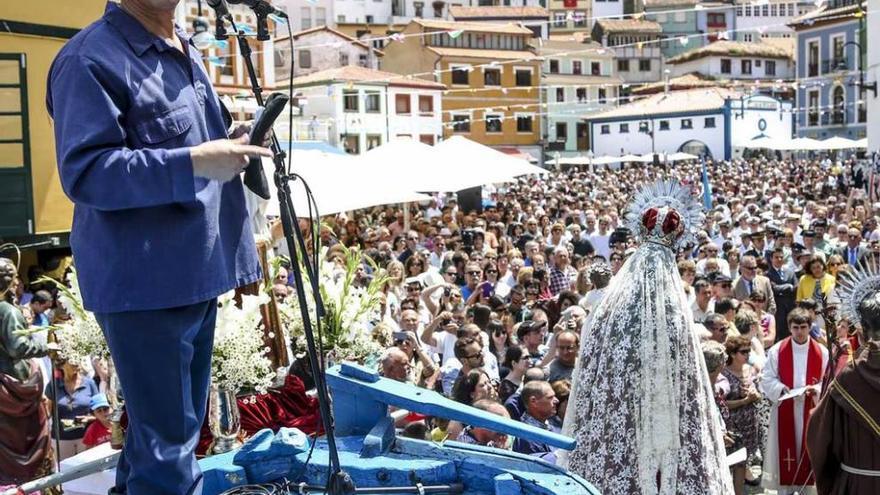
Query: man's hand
<point x="223" y="159"/>
<point x="244" y="129"/>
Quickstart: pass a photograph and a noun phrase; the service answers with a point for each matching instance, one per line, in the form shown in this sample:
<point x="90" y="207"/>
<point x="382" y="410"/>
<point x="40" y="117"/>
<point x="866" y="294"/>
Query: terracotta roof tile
<point x="732" y="49"/>
<point x="692" y="100"/>
<point x="479" y="53"/>
<point x="477" y="27"/>
<point x="628" y="25"/>
<point x="460" y="12"/>
<point x="356" y="73"/>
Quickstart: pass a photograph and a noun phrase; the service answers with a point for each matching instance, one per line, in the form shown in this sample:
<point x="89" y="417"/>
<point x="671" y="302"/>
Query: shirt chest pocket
<point x="165" y="128"/>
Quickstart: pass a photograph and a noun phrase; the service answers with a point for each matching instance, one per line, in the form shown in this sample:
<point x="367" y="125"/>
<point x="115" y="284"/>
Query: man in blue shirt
<point x="160" y="227"/>
<point x="540" y="403"/>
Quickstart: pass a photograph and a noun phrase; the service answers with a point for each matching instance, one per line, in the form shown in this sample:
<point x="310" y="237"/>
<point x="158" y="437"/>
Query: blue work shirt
<point x="532" y="447"/>
<point x="147" y="234"/>
<point x="72" y="405"/>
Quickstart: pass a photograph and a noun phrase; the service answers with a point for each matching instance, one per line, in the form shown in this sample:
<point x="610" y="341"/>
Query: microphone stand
<point x="339" y="482"/>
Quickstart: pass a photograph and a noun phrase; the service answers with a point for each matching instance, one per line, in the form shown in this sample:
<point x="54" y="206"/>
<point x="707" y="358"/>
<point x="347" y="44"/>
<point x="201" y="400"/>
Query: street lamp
<point x="872" y="86"/>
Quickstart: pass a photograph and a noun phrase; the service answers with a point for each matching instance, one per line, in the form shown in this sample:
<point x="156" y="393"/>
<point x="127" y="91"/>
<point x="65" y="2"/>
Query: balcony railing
<point x="840" y="64"/>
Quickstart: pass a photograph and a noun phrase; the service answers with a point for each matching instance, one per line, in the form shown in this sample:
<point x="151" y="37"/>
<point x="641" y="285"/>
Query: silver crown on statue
<point x="855" y="286"/>
<point x="666" y="213"/>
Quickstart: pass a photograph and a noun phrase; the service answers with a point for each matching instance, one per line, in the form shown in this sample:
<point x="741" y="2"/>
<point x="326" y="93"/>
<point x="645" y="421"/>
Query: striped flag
<point x="707" y="189"/>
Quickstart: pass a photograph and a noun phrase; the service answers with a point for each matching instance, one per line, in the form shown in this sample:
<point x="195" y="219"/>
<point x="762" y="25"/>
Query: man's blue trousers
<point x="163" y="360"/>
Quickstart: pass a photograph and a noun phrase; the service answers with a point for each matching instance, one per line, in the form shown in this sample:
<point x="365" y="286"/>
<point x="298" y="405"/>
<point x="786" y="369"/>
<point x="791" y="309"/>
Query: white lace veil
<point x="641" y="406"/>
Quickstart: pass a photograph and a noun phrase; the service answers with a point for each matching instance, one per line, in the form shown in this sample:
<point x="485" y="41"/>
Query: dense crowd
<point x="487" y="307"/>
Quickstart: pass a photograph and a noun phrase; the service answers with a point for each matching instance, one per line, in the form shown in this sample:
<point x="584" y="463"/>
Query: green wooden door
<point x="16" y="205"/>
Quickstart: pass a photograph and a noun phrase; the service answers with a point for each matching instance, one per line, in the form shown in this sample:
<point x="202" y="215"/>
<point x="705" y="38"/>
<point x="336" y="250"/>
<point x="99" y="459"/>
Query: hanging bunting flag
<point x="684" y="40"/>
<point x="277" y="19"/>
<point x="218" y="61"/>
<point x="454" y="34"/>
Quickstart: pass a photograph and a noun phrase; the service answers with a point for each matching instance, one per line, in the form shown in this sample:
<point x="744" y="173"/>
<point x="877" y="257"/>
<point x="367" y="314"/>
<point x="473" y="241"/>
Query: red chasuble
<point x="796" y="473"/>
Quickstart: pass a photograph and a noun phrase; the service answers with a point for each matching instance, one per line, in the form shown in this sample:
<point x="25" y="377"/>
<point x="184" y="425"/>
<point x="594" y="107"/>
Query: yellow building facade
<point x="32" y="203"/>
<point x="491" y="74"/>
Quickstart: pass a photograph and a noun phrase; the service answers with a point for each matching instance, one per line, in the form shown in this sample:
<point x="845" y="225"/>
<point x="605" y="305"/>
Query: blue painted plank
<point x="356" y="406"/>
<point x="220" y="473"/>
<point x="380" y="438"/>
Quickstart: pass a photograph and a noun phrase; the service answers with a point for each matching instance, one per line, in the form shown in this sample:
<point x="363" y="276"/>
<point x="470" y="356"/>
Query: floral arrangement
<point x="79" y="338"/>
<point x="240" y="359"/>
<point x="352" y="305"/>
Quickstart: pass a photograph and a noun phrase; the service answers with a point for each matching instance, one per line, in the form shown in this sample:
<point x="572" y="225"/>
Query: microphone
<point x="219" y="7"/>
<point x="222" y="11"/>
<point x="254" y="177"/>
<point x="261" y="7"/>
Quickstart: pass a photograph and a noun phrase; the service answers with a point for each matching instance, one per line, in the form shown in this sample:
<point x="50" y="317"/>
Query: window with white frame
<point x="493" y="123"/>
<point x="813" y="108"/>
<point x="524" y="122"/>
<point x="461" y="122"/>
<point x="320" y="16"/>
<point x="305" y="16"/>
<point x="523" y="76"/>
<point x="350" y="101"/>
<point x="460" y="74"/>
<point x="491" y="77"/>
<point x="373" y="102"/>
<point x="560" y="95"/>
<point x="426" y="105"/>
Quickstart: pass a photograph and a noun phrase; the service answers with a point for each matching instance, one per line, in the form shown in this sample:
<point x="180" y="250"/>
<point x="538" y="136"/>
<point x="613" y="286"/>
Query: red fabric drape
<point x="795" y="471"/>
<point x="287" y="406"/>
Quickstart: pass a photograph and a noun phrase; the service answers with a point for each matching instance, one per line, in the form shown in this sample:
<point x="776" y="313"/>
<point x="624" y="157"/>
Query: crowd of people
<point x="487" y="307"/>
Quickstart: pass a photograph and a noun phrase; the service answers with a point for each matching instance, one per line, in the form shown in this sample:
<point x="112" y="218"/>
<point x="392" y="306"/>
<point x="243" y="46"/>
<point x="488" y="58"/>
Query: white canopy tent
<point x="606" y="160"/>
<point x="681" y="155"/>
<point x="862" y="143"/>
<point x="802" y="144"/>
<point x="455" y="164"/>
<point x="339" y="183"/>
<point x="837" y="143"/>
<point x="473" y="158"/>
<point x="630" y="158"/>
<point x="585" y="160"/>
<point x="646" y="158"/>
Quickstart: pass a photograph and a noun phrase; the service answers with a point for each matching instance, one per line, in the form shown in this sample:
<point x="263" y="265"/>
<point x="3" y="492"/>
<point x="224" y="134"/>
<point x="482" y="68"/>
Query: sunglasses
<point x="451" y="273"/>
<point x="474" y="273"/>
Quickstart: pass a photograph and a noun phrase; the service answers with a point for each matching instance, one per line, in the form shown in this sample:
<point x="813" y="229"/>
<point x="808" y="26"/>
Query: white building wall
<point x="752" y="24"/>
<point x="873" y="74"/>
<point x="763" y="116"/>
<point x="415" y="124"/>
<point x="363" y="11"/>
<point x="306" y="14"/>
<point x="329" y="51"/>
<point x="616" y="143"/>
<point x="712" y="66"/>
<point x="326" y="105"/>
<point x="608" y="9"/>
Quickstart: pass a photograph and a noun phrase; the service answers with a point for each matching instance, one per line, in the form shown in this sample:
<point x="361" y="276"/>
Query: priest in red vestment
<point x="843" y="436"/>
<point x="792" y="381"/>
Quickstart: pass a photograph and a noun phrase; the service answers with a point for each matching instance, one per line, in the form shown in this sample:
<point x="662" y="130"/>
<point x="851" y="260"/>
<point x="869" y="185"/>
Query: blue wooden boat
<point x="376" y="460"/>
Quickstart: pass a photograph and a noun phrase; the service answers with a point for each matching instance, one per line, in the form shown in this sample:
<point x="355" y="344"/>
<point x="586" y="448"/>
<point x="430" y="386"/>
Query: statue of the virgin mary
<point x="642" y="407"/>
